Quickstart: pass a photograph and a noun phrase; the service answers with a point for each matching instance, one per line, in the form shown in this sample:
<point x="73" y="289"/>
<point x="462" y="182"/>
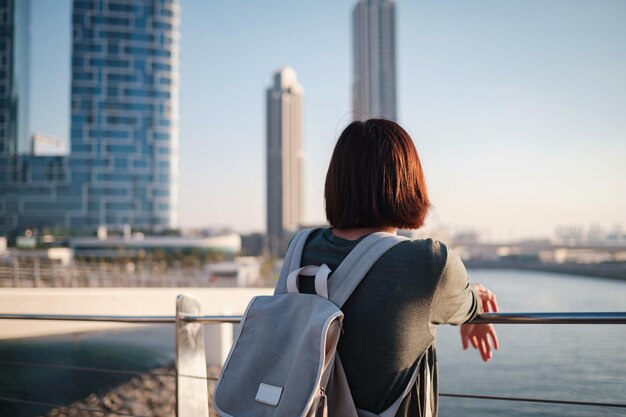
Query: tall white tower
<point x="374" y="46"/>
<point x="284" y="160"/>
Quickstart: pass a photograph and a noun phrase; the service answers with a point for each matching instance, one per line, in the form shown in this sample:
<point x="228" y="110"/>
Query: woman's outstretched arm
<point x="456" y="301"/>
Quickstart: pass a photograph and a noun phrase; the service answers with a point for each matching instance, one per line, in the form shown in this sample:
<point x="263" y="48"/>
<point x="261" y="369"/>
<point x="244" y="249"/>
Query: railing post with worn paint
<point x="192" y="399"/>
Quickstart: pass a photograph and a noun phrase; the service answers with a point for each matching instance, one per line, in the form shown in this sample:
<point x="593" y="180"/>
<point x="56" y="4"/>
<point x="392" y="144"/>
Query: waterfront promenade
<point x="536" y="361"/>
<point x="108" y="301"/>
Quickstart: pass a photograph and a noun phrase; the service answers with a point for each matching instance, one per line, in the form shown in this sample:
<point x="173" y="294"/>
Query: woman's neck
<point x="355" y="233"/>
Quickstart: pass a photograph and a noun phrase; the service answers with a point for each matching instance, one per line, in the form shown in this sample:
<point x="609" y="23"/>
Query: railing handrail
<point x="191" y="370"/>
<point x="495" y="318"/>
<point x="97" y="318"/>
<point x="617" y="317"/>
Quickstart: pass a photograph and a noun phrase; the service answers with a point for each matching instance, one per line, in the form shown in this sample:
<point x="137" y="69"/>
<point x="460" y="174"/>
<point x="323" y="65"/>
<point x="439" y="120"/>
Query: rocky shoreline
<point x="148" y="395"/>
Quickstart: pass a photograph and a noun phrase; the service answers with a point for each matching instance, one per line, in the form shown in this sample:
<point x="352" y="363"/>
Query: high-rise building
<point x="124" y="152"/>
<point x="14" y="78"/>
<point x="374" y="48"/>
<point x="122" y="168"/>
<point x="285" y="159"/>
<point x="27" y="184"/>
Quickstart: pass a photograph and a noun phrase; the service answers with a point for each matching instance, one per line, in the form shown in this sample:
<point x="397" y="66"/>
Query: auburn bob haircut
<point x="375" y="178"/>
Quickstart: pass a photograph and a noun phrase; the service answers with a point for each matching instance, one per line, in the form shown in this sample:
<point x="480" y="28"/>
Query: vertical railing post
<point x="192" y="399"/>
<point x="16" y="272"/>
<point x="36" y="272"/>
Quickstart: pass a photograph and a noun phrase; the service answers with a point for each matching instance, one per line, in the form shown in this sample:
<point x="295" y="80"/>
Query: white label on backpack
<point x="268" y="394"/>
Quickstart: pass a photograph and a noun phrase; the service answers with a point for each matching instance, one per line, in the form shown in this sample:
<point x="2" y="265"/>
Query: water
<point x="568" y="362"/>
<point x="136" y="350"/>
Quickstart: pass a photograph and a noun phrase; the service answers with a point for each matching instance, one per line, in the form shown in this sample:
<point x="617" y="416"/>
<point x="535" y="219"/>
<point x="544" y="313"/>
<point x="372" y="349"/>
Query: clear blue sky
<point x="518" y="109"/>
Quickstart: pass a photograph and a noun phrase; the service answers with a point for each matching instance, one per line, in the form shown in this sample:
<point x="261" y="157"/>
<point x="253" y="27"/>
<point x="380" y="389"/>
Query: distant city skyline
<point x="284" y="159"/>
<point x="516" y="108"/>
<point x="374" y="60"/>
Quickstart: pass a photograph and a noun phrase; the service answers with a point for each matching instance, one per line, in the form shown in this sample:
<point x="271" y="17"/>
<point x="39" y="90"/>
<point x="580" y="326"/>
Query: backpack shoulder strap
<point x="393" y="408"/>
<point x="292" y="259"/>
<point x="351" y="271"/>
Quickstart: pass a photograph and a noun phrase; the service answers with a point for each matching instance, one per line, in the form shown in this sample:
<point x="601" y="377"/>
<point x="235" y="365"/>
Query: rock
<point x="144" y="395"/>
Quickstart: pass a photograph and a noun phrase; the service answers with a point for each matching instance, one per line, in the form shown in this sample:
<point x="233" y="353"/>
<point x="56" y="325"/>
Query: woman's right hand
<point x="479" y="335"/>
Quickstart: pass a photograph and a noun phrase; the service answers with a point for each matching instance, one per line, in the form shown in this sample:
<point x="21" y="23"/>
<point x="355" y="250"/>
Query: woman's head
<point x="375" y="178"/>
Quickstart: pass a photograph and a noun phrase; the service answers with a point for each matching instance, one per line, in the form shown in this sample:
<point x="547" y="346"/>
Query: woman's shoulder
<point x="427" y="246"/>
<point x="427" y="255"/>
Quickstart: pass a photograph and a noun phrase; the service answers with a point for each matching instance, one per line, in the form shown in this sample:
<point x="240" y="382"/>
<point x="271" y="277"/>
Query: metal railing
<point x="191" y="367"/>
<point x="493" y="318"/>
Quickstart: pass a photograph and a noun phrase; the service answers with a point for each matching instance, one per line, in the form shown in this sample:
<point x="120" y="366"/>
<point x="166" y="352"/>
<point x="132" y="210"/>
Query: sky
<point x="518" y="109"/>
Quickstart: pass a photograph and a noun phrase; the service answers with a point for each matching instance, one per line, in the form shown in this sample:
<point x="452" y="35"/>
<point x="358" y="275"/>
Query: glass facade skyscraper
<point x="14" y="76"/>
<point x="123" y="162"/>
<point x="374" y="46"/>
<point x="124" y="127"/>
<point x="27" y="184"/>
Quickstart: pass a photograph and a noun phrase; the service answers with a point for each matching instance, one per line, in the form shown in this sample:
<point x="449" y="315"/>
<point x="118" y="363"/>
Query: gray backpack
<point x="284" y="360"/>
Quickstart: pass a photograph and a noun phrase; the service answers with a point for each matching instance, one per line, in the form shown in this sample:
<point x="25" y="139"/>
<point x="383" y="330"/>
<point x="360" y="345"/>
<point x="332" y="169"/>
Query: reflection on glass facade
<point x="123" y="162"/>
<point x="14" y="75"/>
<point x="7" y="141"/>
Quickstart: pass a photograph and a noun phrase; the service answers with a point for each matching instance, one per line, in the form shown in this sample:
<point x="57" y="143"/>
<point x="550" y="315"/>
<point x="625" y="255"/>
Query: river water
<point x="567" y="362"/>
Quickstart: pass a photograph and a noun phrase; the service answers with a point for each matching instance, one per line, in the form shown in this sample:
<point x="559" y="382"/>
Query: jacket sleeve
<point x="454" y="301"/>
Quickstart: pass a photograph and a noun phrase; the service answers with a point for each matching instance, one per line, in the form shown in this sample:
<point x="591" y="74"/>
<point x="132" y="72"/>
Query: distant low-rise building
<point x="138" y="244"/>
<point x="243" y="271"/>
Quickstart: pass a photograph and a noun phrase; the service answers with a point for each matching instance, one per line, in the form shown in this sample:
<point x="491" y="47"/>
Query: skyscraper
<point x="124" y="153"/>
<point x="28" y="184"/>
<point x="14" y="79"/>
<point x="284" y="159"/>
<point x="123" y="162"/>
<point x="374" y="65"/>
